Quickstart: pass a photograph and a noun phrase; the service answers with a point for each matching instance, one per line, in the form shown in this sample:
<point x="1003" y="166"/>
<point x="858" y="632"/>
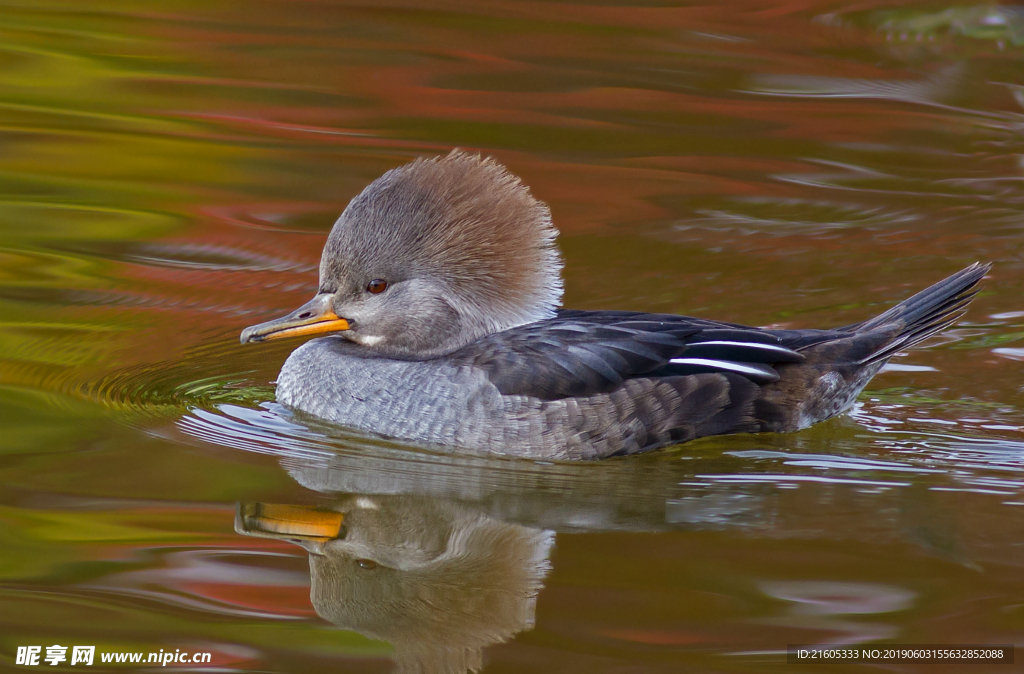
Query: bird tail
<point x="928" y="312"/>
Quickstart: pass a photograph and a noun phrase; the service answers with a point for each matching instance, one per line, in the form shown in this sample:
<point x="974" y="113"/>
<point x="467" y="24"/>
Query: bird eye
<point x="376" y="286"/>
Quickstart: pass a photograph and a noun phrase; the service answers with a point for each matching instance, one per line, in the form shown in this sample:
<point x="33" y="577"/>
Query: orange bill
<point x="289" y="522"/>
<point x="312" y="318"/>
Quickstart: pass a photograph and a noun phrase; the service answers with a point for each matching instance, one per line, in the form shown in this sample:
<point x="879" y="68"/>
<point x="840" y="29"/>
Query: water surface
<point x="168" y="175"/>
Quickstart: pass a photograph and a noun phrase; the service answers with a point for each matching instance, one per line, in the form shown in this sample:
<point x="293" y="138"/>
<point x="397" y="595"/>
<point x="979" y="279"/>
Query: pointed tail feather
<point x="930" y="311"/>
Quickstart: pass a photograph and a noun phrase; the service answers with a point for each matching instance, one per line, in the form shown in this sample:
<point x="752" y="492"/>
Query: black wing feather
<point x="584" y="353"/>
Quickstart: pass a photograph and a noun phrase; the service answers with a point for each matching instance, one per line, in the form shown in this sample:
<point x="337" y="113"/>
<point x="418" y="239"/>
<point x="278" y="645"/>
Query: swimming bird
<point x="441" y="285"/>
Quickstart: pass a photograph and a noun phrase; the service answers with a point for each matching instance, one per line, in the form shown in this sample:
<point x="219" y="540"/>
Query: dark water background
<point x="169" y="170"/>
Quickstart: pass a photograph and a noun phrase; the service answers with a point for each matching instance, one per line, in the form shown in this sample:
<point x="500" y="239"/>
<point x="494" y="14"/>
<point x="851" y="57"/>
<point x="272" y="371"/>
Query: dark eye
<point x="376" y="286"/>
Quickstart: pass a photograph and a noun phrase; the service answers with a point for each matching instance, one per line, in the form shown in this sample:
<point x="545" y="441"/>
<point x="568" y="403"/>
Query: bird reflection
<point x="438" y="580"/>
<point x="444" y="556"/>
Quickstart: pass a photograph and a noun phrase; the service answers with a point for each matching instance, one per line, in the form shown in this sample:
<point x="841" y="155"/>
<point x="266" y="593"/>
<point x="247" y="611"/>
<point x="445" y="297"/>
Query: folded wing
<point x="579" y="354"/>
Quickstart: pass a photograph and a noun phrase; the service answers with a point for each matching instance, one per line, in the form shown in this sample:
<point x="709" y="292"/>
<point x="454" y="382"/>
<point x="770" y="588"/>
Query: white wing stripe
<point x="746" y="345"/>
<point x="720" y="365"/>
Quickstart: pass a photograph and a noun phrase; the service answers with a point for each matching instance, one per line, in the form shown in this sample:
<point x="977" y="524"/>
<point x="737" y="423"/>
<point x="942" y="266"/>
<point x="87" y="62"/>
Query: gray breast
<point x="437" y="402"/>
<point x="425" y="401"/>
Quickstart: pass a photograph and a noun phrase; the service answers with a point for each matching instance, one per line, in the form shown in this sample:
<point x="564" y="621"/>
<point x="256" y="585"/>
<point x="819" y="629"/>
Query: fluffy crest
<point x="464" y="221"/>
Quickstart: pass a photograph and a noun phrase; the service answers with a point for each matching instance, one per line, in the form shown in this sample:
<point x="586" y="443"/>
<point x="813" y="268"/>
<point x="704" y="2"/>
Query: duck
<point x="438" y="322"/>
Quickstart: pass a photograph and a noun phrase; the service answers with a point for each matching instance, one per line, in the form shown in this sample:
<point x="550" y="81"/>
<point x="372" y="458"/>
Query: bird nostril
<point x="306" y="314"/>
